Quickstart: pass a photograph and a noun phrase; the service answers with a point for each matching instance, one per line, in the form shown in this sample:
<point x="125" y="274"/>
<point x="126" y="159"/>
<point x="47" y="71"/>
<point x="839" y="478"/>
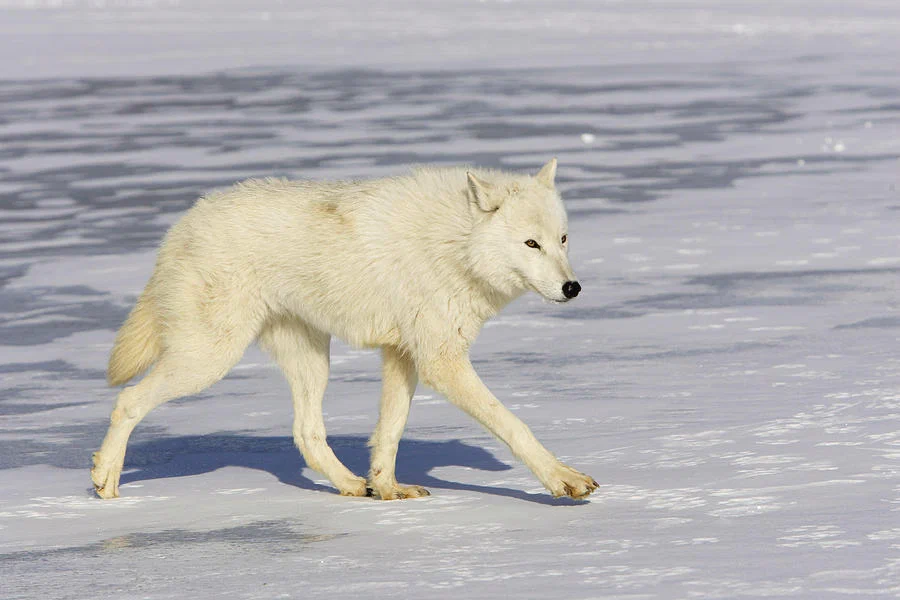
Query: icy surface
<point x="730" y="373"/>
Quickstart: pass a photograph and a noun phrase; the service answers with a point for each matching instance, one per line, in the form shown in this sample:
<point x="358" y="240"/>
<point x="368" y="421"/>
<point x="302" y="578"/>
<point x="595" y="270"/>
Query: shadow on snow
<point x="194" y="455"/>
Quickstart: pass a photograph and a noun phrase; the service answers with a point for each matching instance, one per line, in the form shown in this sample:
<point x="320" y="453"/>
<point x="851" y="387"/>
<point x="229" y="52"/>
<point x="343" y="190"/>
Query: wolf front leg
<point x="399" y="385"/>
<point x="459" y="382"/>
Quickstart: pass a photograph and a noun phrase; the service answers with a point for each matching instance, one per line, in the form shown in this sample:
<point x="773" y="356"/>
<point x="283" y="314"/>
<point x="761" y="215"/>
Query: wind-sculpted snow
<point x="730" y="373"/>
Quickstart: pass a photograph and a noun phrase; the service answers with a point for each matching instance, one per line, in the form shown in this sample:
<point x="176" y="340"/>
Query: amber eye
<point x="532" y="244"/>
<point x="564" y="238"/>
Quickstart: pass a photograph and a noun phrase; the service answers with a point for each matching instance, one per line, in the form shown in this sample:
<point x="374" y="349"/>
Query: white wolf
<point x="414" y="265"/>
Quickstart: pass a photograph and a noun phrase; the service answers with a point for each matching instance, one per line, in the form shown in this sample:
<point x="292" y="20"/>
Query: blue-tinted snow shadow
<point x="193" y="455"/>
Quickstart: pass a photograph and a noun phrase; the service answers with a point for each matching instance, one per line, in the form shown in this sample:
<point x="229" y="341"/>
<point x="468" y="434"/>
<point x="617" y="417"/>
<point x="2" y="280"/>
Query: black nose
<point x="571" y="289"/>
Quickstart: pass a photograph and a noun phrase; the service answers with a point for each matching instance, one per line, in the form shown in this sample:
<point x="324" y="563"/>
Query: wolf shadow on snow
<point x="184" y="456"/>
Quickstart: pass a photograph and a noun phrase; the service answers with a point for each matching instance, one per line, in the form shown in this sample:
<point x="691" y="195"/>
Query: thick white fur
<point x="414" y="265"/>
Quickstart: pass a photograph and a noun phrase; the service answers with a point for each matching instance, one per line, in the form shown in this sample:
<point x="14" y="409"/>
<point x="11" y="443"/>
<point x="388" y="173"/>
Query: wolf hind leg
<point x="176" y="374"/>
<point x="302" y="352"/>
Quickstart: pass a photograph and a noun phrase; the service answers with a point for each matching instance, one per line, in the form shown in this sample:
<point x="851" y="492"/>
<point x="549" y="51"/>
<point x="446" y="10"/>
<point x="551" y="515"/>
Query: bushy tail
<point x="137" y="344"/>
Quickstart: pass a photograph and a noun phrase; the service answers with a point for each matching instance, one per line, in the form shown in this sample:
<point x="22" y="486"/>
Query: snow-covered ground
<point x="730" y="374"/>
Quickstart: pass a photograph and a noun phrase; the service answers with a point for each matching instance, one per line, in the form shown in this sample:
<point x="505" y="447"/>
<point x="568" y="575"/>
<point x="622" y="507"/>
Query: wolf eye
<point x="532" y="244"/>
<point x="564" y="238"/>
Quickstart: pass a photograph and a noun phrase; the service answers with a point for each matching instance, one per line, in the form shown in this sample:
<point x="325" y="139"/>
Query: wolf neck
<point x="444" y="226"/>
<point x="485" y="297"/>
<point x="494" y="301"/>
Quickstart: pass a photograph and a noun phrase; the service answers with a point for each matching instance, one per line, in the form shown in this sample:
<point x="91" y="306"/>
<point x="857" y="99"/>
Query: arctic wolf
<point x="413" y="265"/>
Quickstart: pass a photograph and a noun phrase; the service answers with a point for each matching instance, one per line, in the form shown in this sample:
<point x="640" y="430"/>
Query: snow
<point x="729" y="374"/>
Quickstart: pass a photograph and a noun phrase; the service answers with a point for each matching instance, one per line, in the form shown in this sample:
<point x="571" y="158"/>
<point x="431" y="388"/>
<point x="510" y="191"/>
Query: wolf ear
<point x="547" y="174"/>
<point x="480" y="192"/>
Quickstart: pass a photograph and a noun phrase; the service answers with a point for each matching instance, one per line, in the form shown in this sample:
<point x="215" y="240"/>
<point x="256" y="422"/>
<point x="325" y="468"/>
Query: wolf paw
<point x="354" y="487"/>
<point x="398" y="492"/>
<point x="566" y="481"/>
<point x="105" y="478"/>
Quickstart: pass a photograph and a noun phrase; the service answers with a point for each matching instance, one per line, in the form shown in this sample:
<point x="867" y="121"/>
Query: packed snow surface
<point x="730" y="373"/>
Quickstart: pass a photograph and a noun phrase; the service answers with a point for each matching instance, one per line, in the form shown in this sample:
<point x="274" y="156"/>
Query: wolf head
<point x="520" y="234"/>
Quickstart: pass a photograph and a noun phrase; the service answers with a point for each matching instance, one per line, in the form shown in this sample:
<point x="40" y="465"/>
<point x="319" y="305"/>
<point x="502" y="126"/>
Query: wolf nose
<point x="571" y="289"/>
